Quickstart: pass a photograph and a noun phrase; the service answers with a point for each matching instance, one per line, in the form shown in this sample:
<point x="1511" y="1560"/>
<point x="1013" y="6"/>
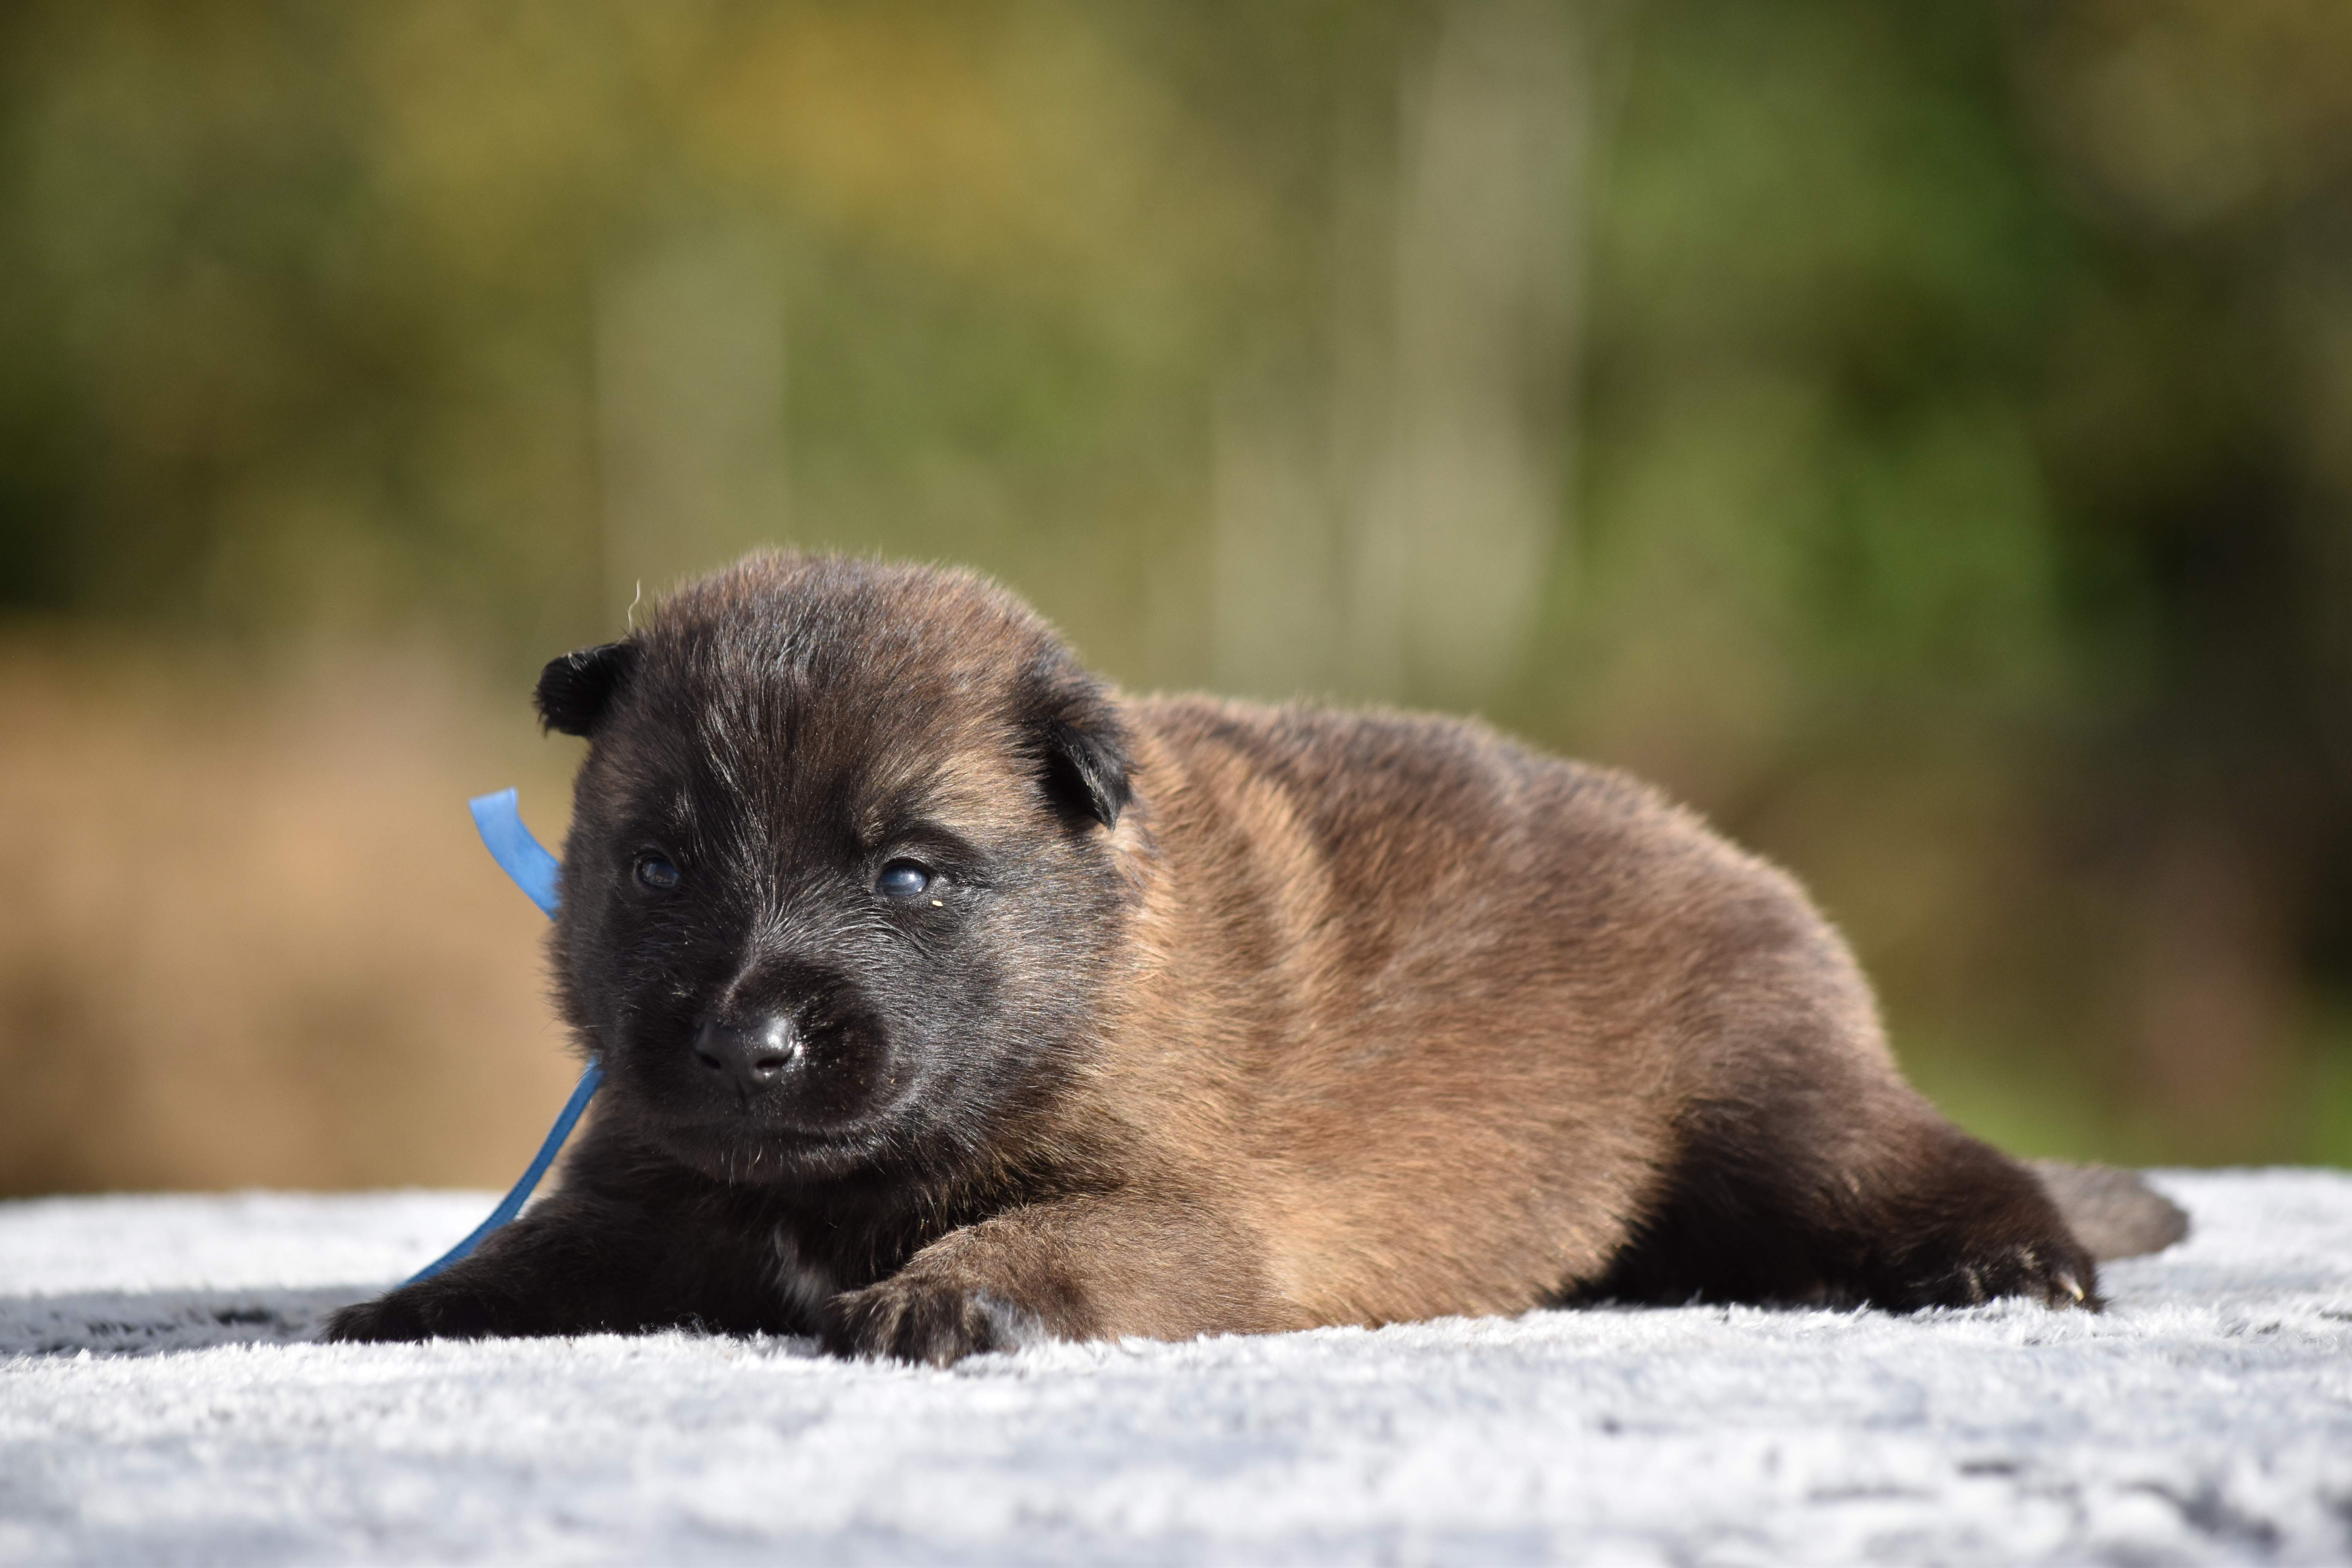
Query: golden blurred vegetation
<point x="1921" y="436"/>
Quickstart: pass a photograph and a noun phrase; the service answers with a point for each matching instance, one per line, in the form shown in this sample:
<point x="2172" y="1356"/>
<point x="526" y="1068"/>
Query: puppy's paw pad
<point x="937" y="1322"/>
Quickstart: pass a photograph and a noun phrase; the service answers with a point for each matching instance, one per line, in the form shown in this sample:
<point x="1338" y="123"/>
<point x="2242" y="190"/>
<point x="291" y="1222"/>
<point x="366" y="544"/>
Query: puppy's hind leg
<point x="1846" y="1192"/>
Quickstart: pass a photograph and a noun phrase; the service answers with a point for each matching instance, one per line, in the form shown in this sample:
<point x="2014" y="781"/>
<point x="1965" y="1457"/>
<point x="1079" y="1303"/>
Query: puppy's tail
<point x="2114" y="1213"/>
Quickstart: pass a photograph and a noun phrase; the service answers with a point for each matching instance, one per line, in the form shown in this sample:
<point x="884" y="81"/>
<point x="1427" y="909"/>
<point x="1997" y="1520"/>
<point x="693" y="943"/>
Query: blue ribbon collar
<point x="498" y="818"/>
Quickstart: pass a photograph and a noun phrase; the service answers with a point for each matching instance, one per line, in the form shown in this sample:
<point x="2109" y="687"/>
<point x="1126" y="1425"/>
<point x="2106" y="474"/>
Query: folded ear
<point x="575" y="688"/>
<point x="1082" y="746"/>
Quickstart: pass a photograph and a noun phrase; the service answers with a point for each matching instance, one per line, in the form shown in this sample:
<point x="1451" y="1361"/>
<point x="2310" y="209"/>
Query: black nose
<point x="751" y="1056"/>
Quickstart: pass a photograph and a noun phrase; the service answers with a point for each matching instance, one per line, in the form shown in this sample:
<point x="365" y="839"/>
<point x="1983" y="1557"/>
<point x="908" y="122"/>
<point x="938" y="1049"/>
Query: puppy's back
<point x="1422" y="963"/>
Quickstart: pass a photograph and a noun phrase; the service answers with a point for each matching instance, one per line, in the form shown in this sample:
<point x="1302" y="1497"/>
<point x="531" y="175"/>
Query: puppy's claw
<point x="2052" y="1271"/>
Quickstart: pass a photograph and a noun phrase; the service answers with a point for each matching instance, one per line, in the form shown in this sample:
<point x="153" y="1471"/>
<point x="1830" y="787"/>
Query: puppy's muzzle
<point x="750" y="1057"/>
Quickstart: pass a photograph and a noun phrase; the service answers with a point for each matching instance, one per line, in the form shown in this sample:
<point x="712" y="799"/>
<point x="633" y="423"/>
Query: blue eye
<point x="656" y="872"/>
<point x="902" y="880"/>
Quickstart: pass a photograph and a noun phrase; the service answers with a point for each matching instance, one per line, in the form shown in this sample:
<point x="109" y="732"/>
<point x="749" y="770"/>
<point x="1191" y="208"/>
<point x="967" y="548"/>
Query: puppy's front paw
<point x="914" y="1319"/>
<point x="410" y="1313"/>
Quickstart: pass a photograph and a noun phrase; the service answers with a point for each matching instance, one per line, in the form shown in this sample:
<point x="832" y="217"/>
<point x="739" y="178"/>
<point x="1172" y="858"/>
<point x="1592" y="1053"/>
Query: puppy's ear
<point x="575" y="688"/>
<point x="1083" y="747"/>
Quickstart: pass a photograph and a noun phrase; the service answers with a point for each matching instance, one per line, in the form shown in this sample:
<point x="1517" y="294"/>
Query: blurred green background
<point x="1920" y="437"/>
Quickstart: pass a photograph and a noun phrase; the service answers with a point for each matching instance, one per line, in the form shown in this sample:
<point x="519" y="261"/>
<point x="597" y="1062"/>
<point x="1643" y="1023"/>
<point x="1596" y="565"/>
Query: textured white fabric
<point x="150" y="1411"/>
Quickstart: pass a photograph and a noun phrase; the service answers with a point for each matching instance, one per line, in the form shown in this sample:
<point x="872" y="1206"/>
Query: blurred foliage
<point x="1920" y="435"/>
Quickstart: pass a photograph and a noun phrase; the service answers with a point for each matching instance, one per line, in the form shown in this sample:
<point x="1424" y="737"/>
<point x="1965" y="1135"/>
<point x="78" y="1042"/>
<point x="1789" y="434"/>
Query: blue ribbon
<point x="499" y="819"/>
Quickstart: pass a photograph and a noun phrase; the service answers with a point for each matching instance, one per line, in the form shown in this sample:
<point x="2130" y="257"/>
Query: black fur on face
<point x="785" y="733"/>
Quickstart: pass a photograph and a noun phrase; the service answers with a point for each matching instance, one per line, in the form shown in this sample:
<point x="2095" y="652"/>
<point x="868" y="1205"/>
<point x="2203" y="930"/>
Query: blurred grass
<point x="252" y="938"/>
<point x="1921" y="439"/>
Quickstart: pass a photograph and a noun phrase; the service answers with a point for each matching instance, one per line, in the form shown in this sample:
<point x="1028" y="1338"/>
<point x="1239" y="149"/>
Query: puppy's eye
<point x="902" y="880"/>
<point x="657" y="872"/>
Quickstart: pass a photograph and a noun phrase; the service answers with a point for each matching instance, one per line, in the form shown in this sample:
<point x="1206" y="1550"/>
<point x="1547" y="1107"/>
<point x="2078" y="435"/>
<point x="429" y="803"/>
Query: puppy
<point x="948" y="1000"/>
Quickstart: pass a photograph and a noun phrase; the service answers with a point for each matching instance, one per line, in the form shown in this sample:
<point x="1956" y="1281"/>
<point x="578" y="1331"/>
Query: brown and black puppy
<point x="948" y="999"/>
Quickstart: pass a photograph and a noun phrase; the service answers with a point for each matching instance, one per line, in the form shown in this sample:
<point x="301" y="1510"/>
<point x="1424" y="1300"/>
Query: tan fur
<point x="1382" y="1067"/>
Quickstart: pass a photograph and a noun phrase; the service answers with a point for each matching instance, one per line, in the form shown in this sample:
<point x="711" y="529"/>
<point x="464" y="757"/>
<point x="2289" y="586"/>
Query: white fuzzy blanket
<point x="152" y="1410"/>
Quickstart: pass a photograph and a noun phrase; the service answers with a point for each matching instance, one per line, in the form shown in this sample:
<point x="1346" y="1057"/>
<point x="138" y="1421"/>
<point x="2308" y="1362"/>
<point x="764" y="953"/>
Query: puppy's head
<point x="840" y="885"/>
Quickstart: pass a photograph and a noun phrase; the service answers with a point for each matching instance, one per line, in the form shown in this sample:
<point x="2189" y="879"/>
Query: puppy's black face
<point x="842" y="880"/>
